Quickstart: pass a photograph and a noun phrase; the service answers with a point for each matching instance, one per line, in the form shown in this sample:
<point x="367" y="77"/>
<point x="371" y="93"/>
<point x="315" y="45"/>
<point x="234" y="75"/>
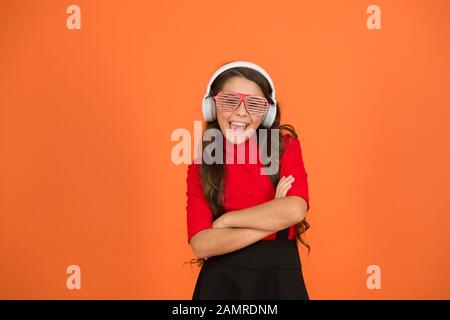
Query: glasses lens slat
<point x="229" y="101"/>
<point x="256" y="105"/>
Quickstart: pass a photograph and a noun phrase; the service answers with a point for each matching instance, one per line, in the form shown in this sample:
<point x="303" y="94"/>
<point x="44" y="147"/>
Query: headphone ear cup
<point x="270" y="116"/>
<point x="209" y="109"/>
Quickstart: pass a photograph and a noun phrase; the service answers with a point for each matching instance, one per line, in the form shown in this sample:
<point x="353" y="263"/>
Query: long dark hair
<point x="212" y="175"/>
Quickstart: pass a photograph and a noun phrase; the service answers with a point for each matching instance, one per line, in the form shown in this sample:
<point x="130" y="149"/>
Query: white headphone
<point x="209" y="108"/>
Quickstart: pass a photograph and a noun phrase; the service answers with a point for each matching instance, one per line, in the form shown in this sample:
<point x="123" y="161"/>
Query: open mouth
<point x="237" y="127"/>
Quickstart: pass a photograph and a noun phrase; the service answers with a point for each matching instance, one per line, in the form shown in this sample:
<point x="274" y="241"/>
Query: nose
<point x="241" y="110"/>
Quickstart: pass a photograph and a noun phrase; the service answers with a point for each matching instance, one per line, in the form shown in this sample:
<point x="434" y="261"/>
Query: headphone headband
<point x="246" y="64"/>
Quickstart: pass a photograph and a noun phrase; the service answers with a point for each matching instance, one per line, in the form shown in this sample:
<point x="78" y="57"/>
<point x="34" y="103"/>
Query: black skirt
<point x="267" y="269"/>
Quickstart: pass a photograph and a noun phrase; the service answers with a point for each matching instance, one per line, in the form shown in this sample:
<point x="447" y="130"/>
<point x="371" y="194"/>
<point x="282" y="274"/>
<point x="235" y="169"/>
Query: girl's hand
<point x="283" y="186"/>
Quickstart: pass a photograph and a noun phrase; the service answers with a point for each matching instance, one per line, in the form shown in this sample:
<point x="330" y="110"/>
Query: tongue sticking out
<point x="237" y="128"/>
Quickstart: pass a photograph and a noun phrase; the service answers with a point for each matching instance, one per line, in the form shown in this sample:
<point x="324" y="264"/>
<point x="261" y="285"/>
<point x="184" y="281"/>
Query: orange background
<point x="87" y="115"/>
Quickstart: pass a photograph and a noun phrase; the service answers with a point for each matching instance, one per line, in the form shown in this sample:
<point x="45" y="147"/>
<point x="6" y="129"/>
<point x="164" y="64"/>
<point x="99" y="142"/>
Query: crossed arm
<point x="237" y="229"/>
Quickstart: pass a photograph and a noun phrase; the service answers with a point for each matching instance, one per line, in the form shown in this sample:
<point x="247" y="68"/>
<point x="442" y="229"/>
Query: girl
<point x="242" y="224"/>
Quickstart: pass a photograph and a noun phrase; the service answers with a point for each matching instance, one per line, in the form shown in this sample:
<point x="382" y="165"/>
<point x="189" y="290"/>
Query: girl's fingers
<point x="286" y="182"/>
<point x="283" y="186"/>
<point x="286" y="190"/>
<point x="286" y="186"/>
<point x="278" y="192"/>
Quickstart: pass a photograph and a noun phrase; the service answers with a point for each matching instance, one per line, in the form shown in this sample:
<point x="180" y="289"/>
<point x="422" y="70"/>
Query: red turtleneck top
<point x="245" y="185"/>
